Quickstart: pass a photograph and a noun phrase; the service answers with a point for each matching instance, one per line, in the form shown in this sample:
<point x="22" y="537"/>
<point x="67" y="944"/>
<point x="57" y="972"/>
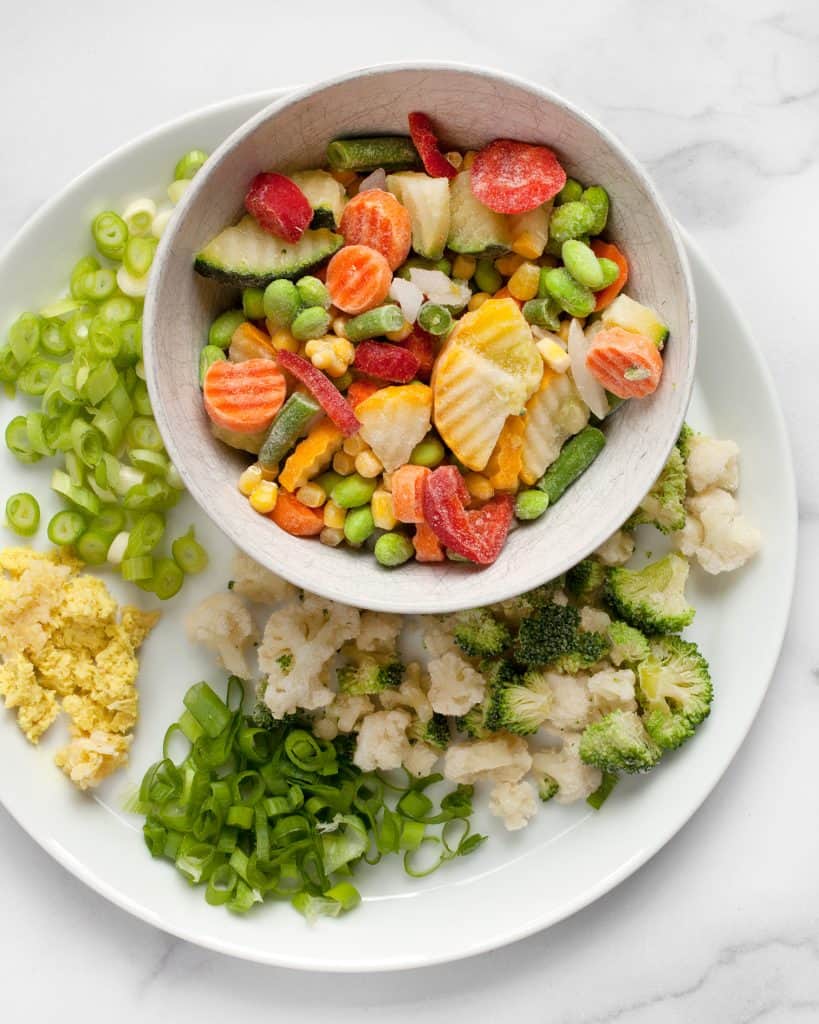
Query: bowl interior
<point x="472" y="107"/>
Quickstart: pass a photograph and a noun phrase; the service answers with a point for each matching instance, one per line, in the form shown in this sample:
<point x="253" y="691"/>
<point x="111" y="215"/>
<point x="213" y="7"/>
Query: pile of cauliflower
<point x="296" y="652"/>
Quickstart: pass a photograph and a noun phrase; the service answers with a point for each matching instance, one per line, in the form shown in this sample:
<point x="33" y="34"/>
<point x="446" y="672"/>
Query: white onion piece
<point x="408" y="296"/>
<point x="116" y="550"/>
<point x="439" y="288"/>
<point x="376" y="179"/>
<point x="588" y="386"/>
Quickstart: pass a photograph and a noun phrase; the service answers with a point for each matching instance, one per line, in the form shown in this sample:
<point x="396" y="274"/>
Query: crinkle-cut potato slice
<point x="394" y="420"/>
<point x="498" y="331"/>
<point x="554" y="413"/>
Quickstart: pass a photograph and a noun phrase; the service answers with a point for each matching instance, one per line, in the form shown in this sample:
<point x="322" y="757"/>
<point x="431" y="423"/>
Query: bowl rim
<point x="504" y="587"/>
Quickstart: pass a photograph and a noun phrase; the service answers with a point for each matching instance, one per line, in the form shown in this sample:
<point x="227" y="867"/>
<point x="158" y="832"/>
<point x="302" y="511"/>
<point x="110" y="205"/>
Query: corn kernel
<point x="339" y="325"/>
<point x="527" y="246"/>
<point x="523" y="283"/>
<point x="312" y="495"/>
<point x="270" y="472"/>
<point x="463" y="267"/>
<point x="343" y="463"/>
<point x="331" y="537"/>
<point x="477" y="301"/>
<point x="263" y="497"/>
<point x="281" y="339"/>
<point x="386" y="482"/>
<point x="334" y="516"/>
<point x="404" y="331"/>
<point x="563" y="330"/>
<point x="478" y="486"/>
<point x="354" y="445"/>
<point x="455" y="158"/>
<point x="382" y="509"/>
<point x="555" y="356"/>
<point x="469" y="159"/>
<point x="368" y="465"/>
<point x="250" y="479"/>
<point x="508" y="264"/>
<point x="331" y="354"/>
<point x="345" y="177"/>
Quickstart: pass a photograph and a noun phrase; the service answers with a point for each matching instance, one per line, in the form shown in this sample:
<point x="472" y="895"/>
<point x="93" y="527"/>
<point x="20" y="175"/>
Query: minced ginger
<point x="62" y="647"/>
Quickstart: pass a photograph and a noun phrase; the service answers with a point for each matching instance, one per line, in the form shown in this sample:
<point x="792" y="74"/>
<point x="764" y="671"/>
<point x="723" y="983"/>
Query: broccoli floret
<point x="653" y="598"/>
<point x="435" y="732"/>
<point x="549" y="632"/>
<point x="261" y="717"/>
<point x="345" y="744"/>
<point x="585" y="580"/>
<point x="619" y="743"/>
<point x="684" y="441"/>
<point x="520" y="706"/>
<point x="628" y="645"/>
<point x="479" y="634"/>
<point x="674" y="689"/>
<point x="547" y="787"/>
<point x="589" y="649"/>
<point x="370" y="675"/>
<point x="664" y="505"/>
<point x="473" y="723"/>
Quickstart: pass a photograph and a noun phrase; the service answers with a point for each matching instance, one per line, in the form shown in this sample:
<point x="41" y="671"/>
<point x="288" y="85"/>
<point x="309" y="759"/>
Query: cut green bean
<point x="281" y="303"/>
<point x="222" y="329"/>
<point x="392" y="549"/>
<point x="110" y="234"/>
<point x="353" y="491"/>
<point x="531" y="504"/>
<point x="289" y="425"/>
<point x="66" y="527"/>
<point x="23" y="514"/>
<point x="577" y="454"/>
<point x="582" y="264"/>
<point x="209" y="355"/>
<point x="597" y="199"/>
<point x="434" y="319"/>
<point x="253" y="303"/>
<point x="189" y="554"/>
<point x="189" y="164"/>
<point x="392" y="152"/>
<point x="358" y="525"/>
<point x="312" y="322"/>
<point x="575" y="298"/>
<point x="487" y="278"/>
<point x="373" y="323"/>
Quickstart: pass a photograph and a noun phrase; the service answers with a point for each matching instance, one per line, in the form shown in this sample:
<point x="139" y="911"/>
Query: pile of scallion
<point x="262" y="809"/>
<point x="81" y="359"/>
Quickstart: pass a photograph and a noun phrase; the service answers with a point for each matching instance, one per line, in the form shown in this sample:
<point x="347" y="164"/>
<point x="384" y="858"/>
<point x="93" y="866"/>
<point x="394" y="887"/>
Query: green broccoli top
<point x="628" y="645"/>
<point x="548" y="632"/>
<point x="619" y="743"/>
<point x="674" y="689"/>
<point x="585" y="580"/>
<point x="652" y="598"/>
<point x="370" y="674"/>
<point x="479" y="634"/>
<point x="521" y="705"/>
<point x="435" y="732"/>
<point x="664" y="505"/>
<point x="589" y="649"/>
<point x="547" y="786"/>
<point x="684" y="441"/>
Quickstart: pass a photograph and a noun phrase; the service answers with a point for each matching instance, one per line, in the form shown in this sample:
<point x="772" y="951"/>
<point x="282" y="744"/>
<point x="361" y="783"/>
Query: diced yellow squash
<point x="394" y="420"/>
<point x="311" y="456"/>
<point x="498" y="331"/>
<point x="554" y="413"/>
<point x="530" y="231"/>
<point x="506" y="461"/>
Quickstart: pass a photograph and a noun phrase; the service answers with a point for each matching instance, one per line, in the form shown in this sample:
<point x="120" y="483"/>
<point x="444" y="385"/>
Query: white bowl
<point x="472" y="106"/>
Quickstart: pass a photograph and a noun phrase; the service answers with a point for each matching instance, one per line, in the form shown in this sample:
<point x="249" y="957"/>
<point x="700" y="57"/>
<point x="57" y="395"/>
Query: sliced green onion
<point x="23" y="514"/>
<point x="130" y="351"/>
<point x="108" y="424"/>
<point x="66" y="527"/>
<point x="118" y="309"/>
<point x="141" y="399"/>
<point x="105" y="338"/>
<point x="101" y="380"/>
<point x="93" y="546"/>
<point x="24" y="337"/>
<point x="154" y="495"/>
<point x="146" y="533"/>
<point x="139" y="254"/>
<point x="9" y="367"/>
<point x="139" y="216"/>
<point x="75" y="468"/>
<point x="17" y="441"/>
<point x="36" y="375"/>
<point x="189" y="164"/>
<point x="136" y="569"/>
<point x="97" y="285"/>
<point x="143" y="432"/>
<point x="59" y="308"/>
<point x="54" y="339"/>
<point x="36" y="429"/>
<point x="84" y="266"/>
<point x="110" y="521"/>
<point x="86" y="442"/>
<point x="208" y="708"/>
<point x="189" y="554"/>
<point x="151" y="463"/>
<point x="79" y="496"/>
<point x="110" y="234"/>
<point x="116" y="549"/>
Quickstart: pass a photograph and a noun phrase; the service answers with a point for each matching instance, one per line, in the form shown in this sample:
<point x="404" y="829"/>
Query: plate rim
<point x="530" y="926"/>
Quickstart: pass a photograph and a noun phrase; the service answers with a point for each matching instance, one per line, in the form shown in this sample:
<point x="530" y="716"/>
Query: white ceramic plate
<point x="515" y="884"/>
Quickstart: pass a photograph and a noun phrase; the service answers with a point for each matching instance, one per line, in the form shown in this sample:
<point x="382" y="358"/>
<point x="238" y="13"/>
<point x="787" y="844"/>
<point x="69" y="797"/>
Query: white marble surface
<point x="721" y="101"/>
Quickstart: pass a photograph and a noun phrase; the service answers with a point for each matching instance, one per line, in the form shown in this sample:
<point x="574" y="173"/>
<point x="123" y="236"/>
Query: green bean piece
<point x="609" y="270"/>
<point x="139" y="255"/>
<point x="24" y="337"/>
<point x="597" y="199"/>
<point x="23" y="514"/>
<point x="374" y="323"/>
<point x="434" y="319"/>
<point x="290" y="424"/>
<point x="353" y="491"/>
<point x="358" y="525"/>
<point x="531" y="504"/>
<point x="577" y="454"/>
<point x="281" y="303"/>
<point x="166" y="579"/>
<point x="66" y="527"/>
<point x="189" y="554"/>
<point x="110" y="233"/>
<point x="189" y="164"/>
<point x="571" y="220"/>
<point x="487" y="278"/>
<point x="222" y="328"/>
<point x="570" y="193"/>
<point x="392" y="152"/>
<point x="392" y="549"/>
<point x="313" y="292"/>
<point x="312" y="322"/>
<point x="582" y="264"/>
<point x="209" y="355"/>
<point x="429" y="452"/>
<point x="543" y="312"/>
<point x="575" y="298"/>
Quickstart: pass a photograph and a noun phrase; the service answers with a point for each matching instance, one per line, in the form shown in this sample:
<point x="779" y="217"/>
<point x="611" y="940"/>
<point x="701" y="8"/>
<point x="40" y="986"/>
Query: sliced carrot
<point x="312" y="455"/>
<point x="244" y="397"/>
<point x="627" y="364"/>
<point x="358" y="278"/>
<point x="408" y="493"/>
<point x="296" y="518"/>
<point x="376" y="218"/>
<point x="248" y="342"/>
<point x="360" y="390"/>
<point x="605" y="250"/>
<point x="427" y="546"/>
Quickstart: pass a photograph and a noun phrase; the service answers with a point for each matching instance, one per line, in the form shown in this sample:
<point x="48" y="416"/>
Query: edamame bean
<point x="571" y="220"/>
<point x="571" y="192"/>
<point x="609" y="270"/>
<point x="313" y="322"/>
<point x="434" y="319"/>
<point x="253" y="303"/>
<point x="327" y="481"/>
<point x="429" y="452"/>
<point x="353" y="491"/>
<point x="597" y="199"/>
<point x="393" y="549"/>
<point x="374" y="322"/>
<point x="313" y="292"/>
<point x="344" y="381"/>
<point x="222" y="328"/>
<point x="577" y="454"/>
<point x="575" y="298"/>
<point x="359" y="525"/>
<point x="531" y="504"/>
<point x="210" y="354"/>
<point x="487" y="277"/>
<point x="582" y="264"/>
<point x="281" y="303"/>
<point x="543" y="312"/>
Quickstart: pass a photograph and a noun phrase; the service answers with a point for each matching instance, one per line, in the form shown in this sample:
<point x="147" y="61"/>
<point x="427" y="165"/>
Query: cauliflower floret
<point x="411" y="694"/>
<point x="575" y="779"/>
<point x="299" y="640"/>
<point x="421" y="759"/>
<point x="712" y="463"/>
<point x="258" y="584"/>
<point x="613" y="688"/>
<point x="716" y="533"/>
<point x="342" y="715"/>
<point x="455" y="686"/>
<point x="379" y="632"/>
<point x="437" y="637"/>
<point x="560" y="597"/>
<point x="617" y="550"/>
<point x="223" y="625"/>
<point x="593" y="620"/>
<point x="502" y="757"/>
<point x="514" y="802"/>
<point x="382" y="741"/>
<point x="571" y="701"/>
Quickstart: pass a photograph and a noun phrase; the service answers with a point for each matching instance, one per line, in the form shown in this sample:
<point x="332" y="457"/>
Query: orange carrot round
<point x="627" y="364"/>
<point x="358" y="278"/>
<point x="408" y="493"/>
<point x="360" y="390"/>
<point x="605" y="250"/>
<point x="427" y="546"/>
<point x="244" y="397"/>
<point x="295" y="517"/>
<point x="376" y="218"/>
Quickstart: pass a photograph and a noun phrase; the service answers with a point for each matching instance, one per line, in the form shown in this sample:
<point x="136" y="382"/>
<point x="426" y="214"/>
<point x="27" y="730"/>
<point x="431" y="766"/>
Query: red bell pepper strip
<point x="326" y="394"/>
<point x="387" y="362"/>
<point x="426" y="142"/>
<point x="476" y="534"/>
<point x="422" y="346"/>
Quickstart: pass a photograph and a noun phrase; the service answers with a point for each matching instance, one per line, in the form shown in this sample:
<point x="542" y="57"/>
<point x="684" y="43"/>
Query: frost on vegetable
<point x="222" y="623"/>
<point x="515" y="803"/>
<point x="574" y="779"/>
